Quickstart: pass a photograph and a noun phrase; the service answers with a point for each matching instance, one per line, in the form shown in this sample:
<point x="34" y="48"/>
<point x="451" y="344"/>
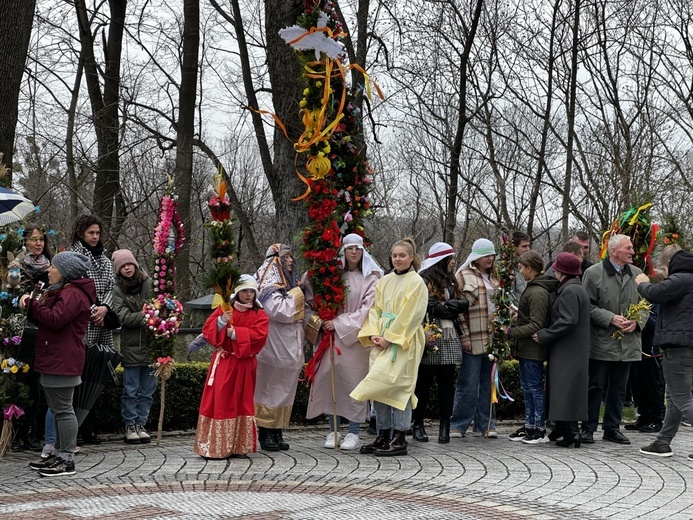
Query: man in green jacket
<point x="612" y="289"/>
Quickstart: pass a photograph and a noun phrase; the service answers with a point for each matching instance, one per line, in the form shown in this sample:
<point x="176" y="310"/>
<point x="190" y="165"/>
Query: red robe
<point x="226" y="424"/>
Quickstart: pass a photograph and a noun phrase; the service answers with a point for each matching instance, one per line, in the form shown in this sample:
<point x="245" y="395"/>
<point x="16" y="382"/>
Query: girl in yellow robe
<point x="394" y="333"/>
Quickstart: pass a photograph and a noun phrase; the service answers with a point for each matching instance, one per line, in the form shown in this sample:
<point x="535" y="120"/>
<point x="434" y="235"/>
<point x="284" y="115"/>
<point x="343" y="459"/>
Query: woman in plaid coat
<point x="473" y="392"/>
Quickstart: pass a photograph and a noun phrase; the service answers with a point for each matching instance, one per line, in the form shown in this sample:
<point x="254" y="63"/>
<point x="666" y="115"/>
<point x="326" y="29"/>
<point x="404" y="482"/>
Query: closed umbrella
<point x="99" y="366"/>
<point x="14" y="207"/>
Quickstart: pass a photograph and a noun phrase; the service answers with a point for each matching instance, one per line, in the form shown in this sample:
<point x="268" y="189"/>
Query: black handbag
<point x="111" y="321"/>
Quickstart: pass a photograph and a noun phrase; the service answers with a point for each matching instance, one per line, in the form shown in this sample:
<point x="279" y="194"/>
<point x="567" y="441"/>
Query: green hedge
<point x="184" y="390"/>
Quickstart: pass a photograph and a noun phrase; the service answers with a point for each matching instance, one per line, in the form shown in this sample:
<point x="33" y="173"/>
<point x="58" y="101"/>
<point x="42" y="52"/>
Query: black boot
<point x="444" y="431"/>
<point x="572" y="436"/>
<point x="267" y="441"/>
<point x="31" y="441"/>
<point x="383" y="439"/>
<point x="558" y="431"/>
<point x="397" y="446"/>
<point x="279" y="439"/>
<point x="372" y="427"/>
<point x="420" y="433"/>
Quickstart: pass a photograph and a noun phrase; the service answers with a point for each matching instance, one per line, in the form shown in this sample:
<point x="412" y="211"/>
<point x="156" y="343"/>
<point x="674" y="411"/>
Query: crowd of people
<point x="424" y="321"/>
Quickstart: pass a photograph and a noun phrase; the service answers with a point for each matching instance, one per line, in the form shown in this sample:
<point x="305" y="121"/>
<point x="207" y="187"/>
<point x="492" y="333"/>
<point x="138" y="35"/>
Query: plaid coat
<point x="476" y="324"/>
<point x="101" y="272"/>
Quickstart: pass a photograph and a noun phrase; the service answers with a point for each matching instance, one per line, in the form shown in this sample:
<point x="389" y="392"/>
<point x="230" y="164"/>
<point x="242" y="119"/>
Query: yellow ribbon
<point x="637" y="212"/>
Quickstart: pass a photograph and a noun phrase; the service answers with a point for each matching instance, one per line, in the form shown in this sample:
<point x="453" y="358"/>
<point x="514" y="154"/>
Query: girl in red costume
<point x="226" y="425"/>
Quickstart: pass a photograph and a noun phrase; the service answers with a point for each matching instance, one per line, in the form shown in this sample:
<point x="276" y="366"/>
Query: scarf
<point x="95" y="251"/>
<point x="35" y="265"/>
<point x="242" y="307"/>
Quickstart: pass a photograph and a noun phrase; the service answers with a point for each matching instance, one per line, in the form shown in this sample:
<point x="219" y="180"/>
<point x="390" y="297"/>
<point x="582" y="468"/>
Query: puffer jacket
<point x="532" y="315"/>
<point x="62" y="317"/>
<point x="612" y="294"/>
<point x="674" y="295"/>
<point x="134" y="341"/>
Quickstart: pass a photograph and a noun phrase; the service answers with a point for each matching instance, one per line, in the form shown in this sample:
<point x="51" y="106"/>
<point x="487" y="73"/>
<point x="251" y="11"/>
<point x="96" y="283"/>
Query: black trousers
<point x="647" y="383"/>
<point x="444" y="375"/>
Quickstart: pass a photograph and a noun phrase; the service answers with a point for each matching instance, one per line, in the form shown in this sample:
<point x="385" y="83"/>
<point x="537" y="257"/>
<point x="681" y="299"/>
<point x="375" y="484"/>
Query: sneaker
<point x="350" y="442"/>
<point x="457" y="434"/>
<point x="518" y="434"/>
<point x="45" y="462"/>
<point x="685" y="422"/>
<point x="329" y="440"/>
<point x="142" y="434"/>
<point x="492" y="434"/>
<point x="537" y="437"/>
<point x="658" y="449"/>
<point x="650" y="428"/>
<point x="690" y="457"/>
<point x="61" y="468"/>
<point x="47" y="451"/>
<point x="634" y="427"/>
<point x="131" y="436"/>
<point x="587" y="437"/>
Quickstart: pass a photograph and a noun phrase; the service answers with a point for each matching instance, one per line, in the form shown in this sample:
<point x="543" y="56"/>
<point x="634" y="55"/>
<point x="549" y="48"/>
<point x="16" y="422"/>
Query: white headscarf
<point x="368" y="265"/>
<point x="436" y="253"/>
<point x="482" y="247"/>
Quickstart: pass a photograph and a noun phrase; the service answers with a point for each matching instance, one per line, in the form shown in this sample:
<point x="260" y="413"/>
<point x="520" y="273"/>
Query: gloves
<point x="457" y="306"/>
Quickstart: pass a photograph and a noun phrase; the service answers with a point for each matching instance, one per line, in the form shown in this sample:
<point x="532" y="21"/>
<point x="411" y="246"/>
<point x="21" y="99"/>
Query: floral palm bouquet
<point x="635" y="311"/>
<point x="433" y="334"/>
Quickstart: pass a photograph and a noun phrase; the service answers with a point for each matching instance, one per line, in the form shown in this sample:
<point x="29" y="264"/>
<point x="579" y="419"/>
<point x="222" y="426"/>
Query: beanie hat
<point x="71" y="265"/>
<point x="567" y="263"/>
<point x="123" y="257"/>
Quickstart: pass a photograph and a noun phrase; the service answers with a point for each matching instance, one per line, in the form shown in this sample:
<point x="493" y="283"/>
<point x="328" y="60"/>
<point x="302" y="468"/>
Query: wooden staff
<point x="335" y="425"/>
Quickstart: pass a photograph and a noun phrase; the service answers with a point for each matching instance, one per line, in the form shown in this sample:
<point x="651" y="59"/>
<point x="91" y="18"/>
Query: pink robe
<point x="351" y="364"/>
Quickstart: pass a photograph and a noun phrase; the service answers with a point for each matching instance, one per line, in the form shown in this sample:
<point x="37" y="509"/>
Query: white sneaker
<point x="142" y="434"/>
<point x="131" y="436"/>
<point x="456" y="434"/>
<point x="329" y="440"/>
<point x="350" y="442"/>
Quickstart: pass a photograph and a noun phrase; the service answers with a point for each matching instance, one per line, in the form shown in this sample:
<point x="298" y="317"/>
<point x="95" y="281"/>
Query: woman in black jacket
<point x="445" y="304"/>
<point x="674" y="337"/>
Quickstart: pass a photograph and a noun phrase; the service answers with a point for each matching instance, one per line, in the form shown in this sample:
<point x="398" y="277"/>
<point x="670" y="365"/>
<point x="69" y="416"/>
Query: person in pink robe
<point x="226" y="425"/>
<point x="361" y="274"/>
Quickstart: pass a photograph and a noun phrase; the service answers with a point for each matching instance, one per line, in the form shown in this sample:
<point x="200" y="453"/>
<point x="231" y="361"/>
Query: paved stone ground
<point x="470" y="478"/>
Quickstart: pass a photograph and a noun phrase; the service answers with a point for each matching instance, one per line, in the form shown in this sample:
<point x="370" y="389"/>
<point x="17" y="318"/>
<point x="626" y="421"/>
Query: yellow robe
<point x="401" y="300"/>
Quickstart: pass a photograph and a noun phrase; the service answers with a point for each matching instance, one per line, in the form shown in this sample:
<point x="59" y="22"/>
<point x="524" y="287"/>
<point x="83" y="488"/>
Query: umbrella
<point x="99" y="365"/>
<point x="13" y="206"/>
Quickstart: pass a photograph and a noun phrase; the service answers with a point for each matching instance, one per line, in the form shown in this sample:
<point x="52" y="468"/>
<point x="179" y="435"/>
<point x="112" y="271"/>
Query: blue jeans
<point x="50" y="427"/>
<point x="138" y="388"/>
<point x="388" y="417"/>
<point x="677" y="364"/>
<point x="353" y="426"/>
<point x="473" y="394"/>
<point x="532" y="382"/>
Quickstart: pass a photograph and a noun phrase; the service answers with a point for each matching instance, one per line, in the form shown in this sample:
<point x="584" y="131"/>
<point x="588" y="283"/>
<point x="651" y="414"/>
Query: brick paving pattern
<point x="470" y="478"/>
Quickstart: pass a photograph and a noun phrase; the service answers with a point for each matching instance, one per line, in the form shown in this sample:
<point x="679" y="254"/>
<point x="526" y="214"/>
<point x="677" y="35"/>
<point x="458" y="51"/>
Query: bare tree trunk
<point x="69" y="136"/>
<point x="186" y="129"/>
<point x="541" y="163"/>
<point x="571" y="125"/>
<point x="16" y="19"/>
<point x="104" y="104"/>
<point x="462" y="120"/>
<point x="285" y="77"/>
